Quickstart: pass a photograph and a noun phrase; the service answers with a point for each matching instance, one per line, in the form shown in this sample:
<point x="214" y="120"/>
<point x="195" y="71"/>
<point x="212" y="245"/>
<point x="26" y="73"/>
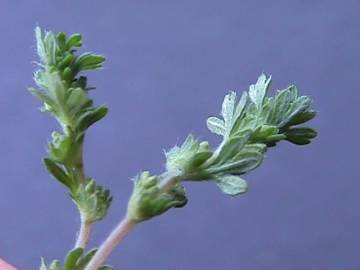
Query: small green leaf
<point x="199" y="158"/>
<point x="91" y="117"/>
<point x="46" y="46"/>
<point x="300" y="105"/>
<point x="75" y="260"/>
<point x="258" y="91"/>
<point x="216" y="125"/>
<point x="72" y="257"/>
<point x="58" y="173"/>
<point x="40" y="44"/>
<point x="61" y="148"/>
<point x="301" y="118"/>
<point x="240" y="108"/>
<point x="178" y="158"/>
<point x="89" y="61"/>
<point x="228" y="108"/>
<point x="44" y="98"/>
<point x="68" y="74"/>
<point x="244" y="161"/>
<point x="273" y="139"/>
<point x="241" y="105"/>
<point x="66" y="61"/>
<point x="286" y="105"/>
<point x="76" y="98"/>
<point x="61" y="40"/>
<point x="231" y="184"/>
<point x="55" y="265"/>
<point x="300" y="136"/>
<point x="263" y="133"/>
<point x="302" y="131"/>
<point x="298" y="140"/>
<point x="231" y="148"/>
<point x="148" y="200"/>
<point x="74" y="40"/>
<point x="92" y="200"/>
<point x="83" y="262"/>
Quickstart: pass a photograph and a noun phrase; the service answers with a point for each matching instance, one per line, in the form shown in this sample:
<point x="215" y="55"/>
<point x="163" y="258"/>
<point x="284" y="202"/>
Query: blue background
<point x="169" y="65"/>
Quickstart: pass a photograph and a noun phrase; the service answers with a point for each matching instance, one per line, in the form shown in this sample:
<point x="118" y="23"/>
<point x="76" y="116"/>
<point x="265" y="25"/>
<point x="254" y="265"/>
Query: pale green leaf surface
<point x="216" y="125"/>
<point x="231" y="184"/>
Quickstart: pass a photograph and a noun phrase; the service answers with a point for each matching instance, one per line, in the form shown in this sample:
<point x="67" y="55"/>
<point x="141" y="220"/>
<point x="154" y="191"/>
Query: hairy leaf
<point x="231" y="184"/>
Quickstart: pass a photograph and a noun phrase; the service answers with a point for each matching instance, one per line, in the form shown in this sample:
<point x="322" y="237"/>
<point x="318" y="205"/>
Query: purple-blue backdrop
<point x="169" y="65"/>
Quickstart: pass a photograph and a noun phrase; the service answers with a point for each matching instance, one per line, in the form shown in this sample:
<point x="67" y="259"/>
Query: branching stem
<point x="124" y="227"/>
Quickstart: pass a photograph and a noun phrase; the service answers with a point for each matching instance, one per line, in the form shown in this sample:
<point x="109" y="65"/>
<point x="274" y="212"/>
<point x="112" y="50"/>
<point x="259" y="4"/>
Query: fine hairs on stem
<point x="125" y="226"/>
<point x="250" y="124"/>
<point x="84" y="234"/>
<point x="85" y="226"/>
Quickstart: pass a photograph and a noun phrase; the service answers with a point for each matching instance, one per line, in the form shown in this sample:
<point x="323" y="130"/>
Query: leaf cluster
<point x="248" y="127"/>
<point x="92" y="200"/>
<point x="64" y="92"/>
<point x="149" y="199"/>
<point x="76" y="259"/>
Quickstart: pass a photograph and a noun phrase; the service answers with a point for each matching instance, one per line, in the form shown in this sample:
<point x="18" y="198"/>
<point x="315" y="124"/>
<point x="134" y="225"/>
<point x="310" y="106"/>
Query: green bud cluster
<point x="64" y="93"/>
<point x="188" y="157"/>
<point x="92" y="200"/>
<point x="149" y="199"/>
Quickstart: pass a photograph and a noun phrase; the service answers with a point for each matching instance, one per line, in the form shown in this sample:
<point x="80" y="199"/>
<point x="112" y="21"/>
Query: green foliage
<point x="76" y="259"/>
<point x="149" y="199"/>
<point x="189" y="156"/>
<point x="92" y="200"/>
<point x="61" y="89"/>
<point x="300" y="136"/>
<point x="64" y="93"/>
<point x="231" y="184"/>
<point x="248" y="127"/>
<point x="59" y="174"/>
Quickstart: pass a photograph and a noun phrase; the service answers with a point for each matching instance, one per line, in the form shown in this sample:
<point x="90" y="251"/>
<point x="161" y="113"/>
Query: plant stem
<point x="84" y="234"/>
<point x="85" y="226"/>
<point x="169" y="180"/>
<point x="116" y="236"/>
<point x="79" y="165"/>
<point x="125" y="226"/>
